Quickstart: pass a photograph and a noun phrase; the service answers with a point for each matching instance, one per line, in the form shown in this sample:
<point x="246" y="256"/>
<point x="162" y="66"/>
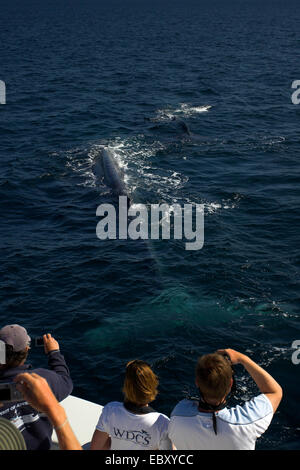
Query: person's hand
<point x="234" y="356"/>
<point x="36" y="391"/>
<point x="38" y="394"/>
<point x="50" y="344"/>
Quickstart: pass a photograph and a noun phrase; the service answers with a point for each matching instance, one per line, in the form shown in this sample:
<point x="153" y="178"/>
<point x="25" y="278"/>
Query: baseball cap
<point x="10" y="437"/>
<point x="16" y="336"/>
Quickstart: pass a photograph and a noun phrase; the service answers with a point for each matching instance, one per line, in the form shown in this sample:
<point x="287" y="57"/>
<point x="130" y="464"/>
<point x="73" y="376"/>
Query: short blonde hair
<point x="140" y="385"/>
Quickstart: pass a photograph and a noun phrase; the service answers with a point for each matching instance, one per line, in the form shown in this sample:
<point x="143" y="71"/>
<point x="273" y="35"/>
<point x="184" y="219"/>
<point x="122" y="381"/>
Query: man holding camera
<point x="35" y="427"/>
<point x="207" y="424"/>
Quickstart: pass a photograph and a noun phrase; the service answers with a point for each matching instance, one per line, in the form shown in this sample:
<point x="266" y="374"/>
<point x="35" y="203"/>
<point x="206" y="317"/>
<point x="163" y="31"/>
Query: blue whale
<point x="106" y="166"/>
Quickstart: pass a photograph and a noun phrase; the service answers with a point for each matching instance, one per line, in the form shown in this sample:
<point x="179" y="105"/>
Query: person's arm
<point x="58" y="377"/>
<point x="265" y="382"/>
<point x="65" y="435"/>
<point x="38" y="394"/>
<point x="100" y="441"/>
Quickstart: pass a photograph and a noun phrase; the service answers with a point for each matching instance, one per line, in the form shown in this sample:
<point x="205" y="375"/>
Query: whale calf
<point x="106" y="166"/>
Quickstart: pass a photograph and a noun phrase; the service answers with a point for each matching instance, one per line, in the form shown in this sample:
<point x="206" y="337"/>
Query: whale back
<point x="112" y="173"/>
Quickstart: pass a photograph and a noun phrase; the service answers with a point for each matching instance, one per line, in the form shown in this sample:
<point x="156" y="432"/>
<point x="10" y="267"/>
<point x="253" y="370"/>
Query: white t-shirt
<point x="129" y="431"/>
<point x="237" y="428"/>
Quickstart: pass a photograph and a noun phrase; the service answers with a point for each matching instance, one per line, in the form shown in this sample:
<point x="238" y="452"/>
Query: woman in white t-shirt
<point x="133" y="424"/>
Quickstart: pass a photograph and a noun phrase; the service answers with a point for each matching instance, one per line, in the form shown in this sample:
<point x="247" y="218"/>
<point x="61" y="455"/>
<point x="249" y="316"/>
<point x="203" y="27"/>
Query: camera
<point x="9" y="392"/>
<point x="39" y="341"/>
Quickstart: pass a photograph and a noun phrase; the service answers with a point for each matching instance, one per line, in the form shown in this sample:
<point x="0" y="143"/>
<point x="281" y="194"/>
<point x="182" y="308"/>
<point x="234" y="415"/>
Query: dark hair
<point x="13" y="358"/>
<point x="213" y="376"/>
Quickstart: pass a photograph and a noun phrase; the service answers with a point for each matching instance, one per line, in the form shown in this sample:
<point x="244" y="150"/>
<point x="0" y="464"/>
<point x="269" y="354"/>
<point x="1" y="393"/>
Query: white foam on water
<point x="213" y="207"/>
<point x="187" y="110"/>
<point x="134" y="156"/>
<point x="273" y="140"/>
<point x="140" y="172"/>
<point x="184" y="109"/>
<point x="80" y="161"/>
<point x="231" y="203"/>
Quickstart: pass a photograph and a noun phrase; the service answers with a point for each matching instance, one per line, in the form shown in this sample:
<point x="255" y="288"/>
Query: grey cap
<point x="16" y="336"/>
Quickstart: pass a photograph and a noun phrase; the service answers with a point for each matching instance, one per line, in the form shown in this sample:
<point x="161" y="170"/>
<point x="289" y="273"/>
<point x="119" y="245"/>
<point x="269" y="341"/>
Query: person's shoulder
<point x="40" y="371"/>
<point x="110" y="409"/>
<point x="50" y="375"/>
<point x="185" y="408"/>
<point x="251" y="411"/>
<point x="11" y="372"/>
<point x="113" y="405"/>
<point x="162" y="418"/>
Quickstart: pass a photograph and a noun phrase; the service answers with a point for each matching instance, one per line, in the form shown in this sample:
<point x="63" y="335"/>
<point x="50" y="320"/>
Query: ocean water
<point x="82" y="74"/>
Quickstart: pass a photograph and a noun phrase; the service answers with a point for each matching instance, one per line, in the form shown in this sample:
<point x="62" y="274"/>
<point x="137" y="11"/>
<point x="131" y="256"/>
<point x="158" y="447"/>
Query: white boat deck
<point x="83" y="416"/>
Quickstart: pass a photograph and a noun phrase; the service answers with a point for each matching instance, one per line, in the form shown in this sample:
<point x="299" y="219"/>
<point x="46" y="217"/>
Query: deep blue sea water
<point x="81" y="74"/>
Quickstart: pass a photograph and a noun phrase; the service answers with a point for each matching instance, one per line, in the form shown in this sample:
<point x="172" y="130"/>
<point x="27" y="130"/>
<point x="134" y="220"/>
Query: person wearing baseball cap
<point x="15" y="341"/>
<point x="16" y="336"/>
